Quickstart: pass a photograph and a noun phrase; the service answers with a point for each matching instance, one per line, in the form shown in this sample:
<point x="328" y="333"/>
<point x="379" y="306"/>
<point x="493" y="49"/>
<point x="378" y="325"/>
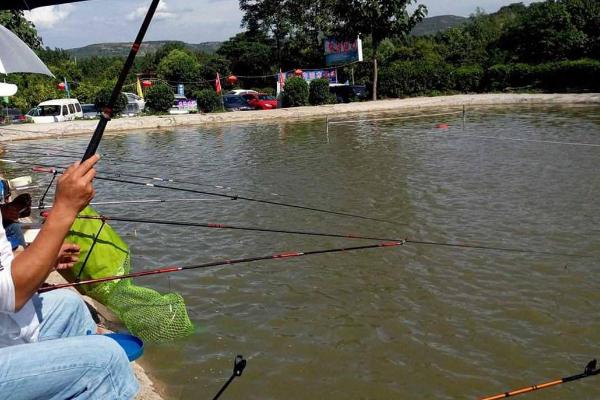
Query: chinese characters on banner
<point x="342" y="51"/>
<point x="312" y="74"/>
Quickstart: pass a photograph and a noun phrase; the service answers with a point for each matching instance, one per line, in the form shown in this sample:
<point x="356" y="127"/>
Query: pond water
<point x="417" y="321"/>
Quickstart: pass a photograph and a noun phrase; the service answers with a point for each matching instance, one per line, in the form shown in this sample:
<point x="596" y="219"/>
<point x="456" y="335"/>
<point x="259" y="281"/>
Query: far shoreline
<point x="59" y="130"/>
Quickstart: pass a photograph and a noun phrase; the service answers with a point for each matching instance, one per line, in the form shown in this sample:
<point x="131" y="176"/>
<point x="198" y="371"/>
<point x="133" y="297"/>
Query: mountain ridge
<point x="429" y="26"/>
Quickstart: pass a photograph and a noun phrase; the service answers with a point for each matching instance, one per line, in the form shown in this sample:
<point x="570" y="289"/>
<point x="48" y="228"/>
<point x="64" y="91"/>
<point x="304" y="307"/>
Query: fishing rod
<point x="239" y="364"/>
<point x="107" y="113"/>
<point x="321" y="234"/>
<point x="171" y="269"/>
<point x="154" y="178"/>
<point x="590" y="370"/>
<point x="121" y="202"/>
<point x="42" y="168"/>
<point x="72" y="156"/>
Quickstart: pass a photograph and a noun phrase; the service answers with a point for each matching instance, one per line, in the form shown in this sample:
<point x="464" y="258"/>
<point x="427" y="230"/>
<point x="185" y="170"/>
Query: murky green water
<point x="417" y="322"/>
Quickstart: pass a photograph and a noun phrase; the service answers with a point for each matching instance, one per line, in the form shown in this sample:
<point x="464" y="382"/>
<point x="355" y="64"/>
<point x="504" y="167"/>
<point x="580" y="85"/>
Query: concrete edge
<point x="59" y="130"/>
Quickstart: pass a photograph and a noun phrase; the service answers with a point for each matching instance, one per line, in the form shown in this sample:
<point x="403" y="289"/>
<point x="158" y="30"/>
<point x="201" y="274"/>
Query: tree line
<point x="547" y="46"/>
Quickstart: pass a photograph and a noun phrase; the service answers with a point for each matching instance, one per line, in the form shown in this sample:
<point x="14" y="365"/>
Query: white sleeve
<point x="7" y="286"/>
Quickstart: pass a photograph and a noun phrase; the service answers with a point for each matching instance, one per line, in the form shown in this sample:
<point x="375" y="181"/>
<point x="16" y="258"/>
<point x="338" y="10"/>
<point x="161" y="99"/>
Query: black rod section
<point x="107" y="113"/>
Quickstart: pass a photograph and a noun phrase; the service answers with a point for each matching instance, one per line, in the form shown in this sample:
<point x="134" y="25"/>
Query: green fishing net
<point x="146" y="313"/>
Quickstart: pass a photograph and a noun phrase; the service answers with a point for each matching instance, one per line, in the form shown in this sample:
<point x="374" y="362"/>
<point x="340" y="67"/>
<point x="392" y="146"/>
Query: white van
<point x="58" y="110"/>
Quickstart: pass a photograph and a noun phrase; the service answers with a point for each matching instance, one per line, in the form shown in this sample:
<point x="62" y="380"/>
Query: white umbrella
<point x="16" y="56"/>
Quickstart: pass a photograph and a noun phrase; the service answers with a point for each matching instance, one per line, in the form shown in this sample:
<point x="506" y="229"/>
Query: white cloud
<point x="48" y="17"/>
<point x="162" y="12"/>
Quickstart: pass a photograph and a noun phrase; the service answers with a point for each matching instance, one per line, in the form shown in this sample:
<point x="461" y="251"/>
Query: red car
<point x="261" y="101"/>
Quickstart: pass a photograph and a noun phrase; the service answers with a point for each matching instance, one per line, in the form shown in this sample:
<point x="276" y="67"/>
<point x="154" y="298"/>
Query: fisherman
<point x="48" y="346"/>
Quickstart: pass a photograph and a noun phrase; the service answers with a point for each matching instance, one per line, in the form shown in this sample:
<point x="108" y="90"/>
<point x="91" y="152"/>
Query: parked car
<point x="234" y="102"/>
<point x="346" y="93"/>
<point x="90" y="111"/>
<point x="261" y="101"/>
<point x="241" y="91"/>
<point x="134" y="98"/>
<point x="58" y="110"/>
<point x="12" y="116"/>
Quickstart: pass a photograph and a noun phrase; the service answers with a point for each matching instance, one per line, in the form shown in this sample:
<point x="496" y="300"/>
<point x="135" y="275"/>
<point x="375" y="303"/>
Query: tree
<point x="211" y="64"/>
<point x="585" y="14"/>
<point x="544" y="32"/>
<point x="15" y="22"/>
<point x="249" y="54"/>
<point x="269" y="17"/>
<point x="178" y="67"/>
<point x="380" y="19"/>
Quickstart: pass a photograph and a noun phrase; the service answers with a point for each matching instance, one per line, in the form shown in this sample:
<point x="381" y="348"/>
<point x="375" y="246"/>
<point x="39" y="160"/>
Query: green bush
<point x="468" y="79"/>
<point x="103" y="98"/>
<point x="295" y="93"/>
<point x="413" y="78"/>
<point x="319" y="93"/>
<point x="557" y="76"/>
<point x="569" y="75"/>
<point x="159" y="98"/>
<point x="505" y="76"/>
<point x="208" y="100"/>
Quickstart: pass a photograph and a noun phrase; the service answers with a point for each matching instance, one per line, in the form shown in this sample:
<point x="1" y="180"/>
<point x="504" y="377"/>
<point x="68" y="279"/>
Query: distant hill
<point x="122" y="49"/>
<point x="428" y="26"/>
<point x="433" y="25"/>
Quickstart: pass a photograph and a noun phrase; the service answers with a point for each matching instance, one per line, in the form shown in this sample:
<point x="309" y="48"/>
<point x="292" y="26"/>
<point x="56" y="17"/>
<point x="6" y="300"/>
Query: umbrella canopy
<point x="16" y="56"/>
<point x="31" y="4"/>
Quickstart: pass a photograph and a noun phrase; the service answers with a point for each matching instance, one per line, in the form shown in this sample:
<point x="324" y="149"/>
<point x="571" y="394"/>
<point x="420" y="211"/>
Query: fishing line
<point x="109" y="160"/>
<point x="120" y="202"/>
<point x="322" y="234"/>
<point x="530" y="140"/>
<point x="353" y="121"/>
<point x="155" y="178"/>
<point x="49" y="169"/>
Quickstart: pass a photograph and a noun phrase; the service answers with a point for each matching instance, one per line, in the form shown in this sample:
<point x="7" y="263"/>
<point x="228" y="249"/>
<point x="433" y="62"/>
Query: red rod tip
<point x="286" y="255"/>
<point x="391" y="244"/>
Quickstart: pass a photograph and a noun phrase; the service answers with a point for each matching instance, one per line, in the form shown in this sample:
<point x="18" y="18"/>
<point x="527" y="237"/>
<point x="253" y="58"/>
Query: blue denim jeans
<point x="67" y="362"/>
<point x="14" y="234"/>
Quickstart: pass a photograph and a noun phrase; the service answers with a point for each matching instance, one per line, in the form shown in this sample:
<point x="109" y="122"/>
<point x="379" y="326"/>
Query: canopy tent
<point x="31" y="4"/>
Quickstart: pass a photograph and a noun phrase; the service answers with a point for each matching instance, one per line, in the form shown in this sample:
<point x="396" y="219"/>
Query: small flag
<point x="138" y="87"/>
<point x="281" y="80"/>
<point x="218" y="84"/>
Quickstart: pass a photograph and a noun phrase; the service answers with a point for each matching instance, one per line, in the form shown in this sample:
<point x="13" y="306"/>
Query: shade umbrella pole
<point x="107" y="113"/>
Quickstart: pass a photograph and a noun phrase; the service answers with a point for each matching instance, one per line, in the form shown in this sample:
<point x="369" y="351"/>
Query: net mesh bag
<point x="146" y="313"/>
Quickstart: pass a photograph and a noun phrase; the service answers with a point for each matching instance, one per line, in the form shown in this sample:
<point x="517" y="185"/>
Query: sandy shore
<point x="38" y="131"/>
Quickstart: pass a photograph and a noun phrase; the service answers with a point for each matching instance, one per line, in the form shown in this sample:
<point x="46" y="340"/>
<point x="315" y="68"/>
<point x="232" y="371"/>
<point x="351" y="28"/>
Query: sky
<point x="193" y="21"/>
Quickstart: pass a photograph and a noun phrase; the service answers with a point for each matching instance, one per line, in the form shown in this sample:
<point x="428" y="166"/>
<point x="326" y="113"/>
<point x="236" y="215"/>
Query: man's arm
<point x="31" y="267"/>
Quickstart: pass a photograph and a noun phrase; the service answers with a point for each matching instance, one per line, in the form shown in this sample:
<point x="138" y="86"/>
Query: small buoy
<point x="442" y="126"/>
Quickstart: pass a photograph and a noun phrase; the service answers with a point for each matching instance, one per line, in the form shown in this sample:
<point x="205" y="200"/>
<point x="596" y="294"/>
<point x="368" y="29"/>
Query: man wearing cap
<point x="48" y="346"/>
